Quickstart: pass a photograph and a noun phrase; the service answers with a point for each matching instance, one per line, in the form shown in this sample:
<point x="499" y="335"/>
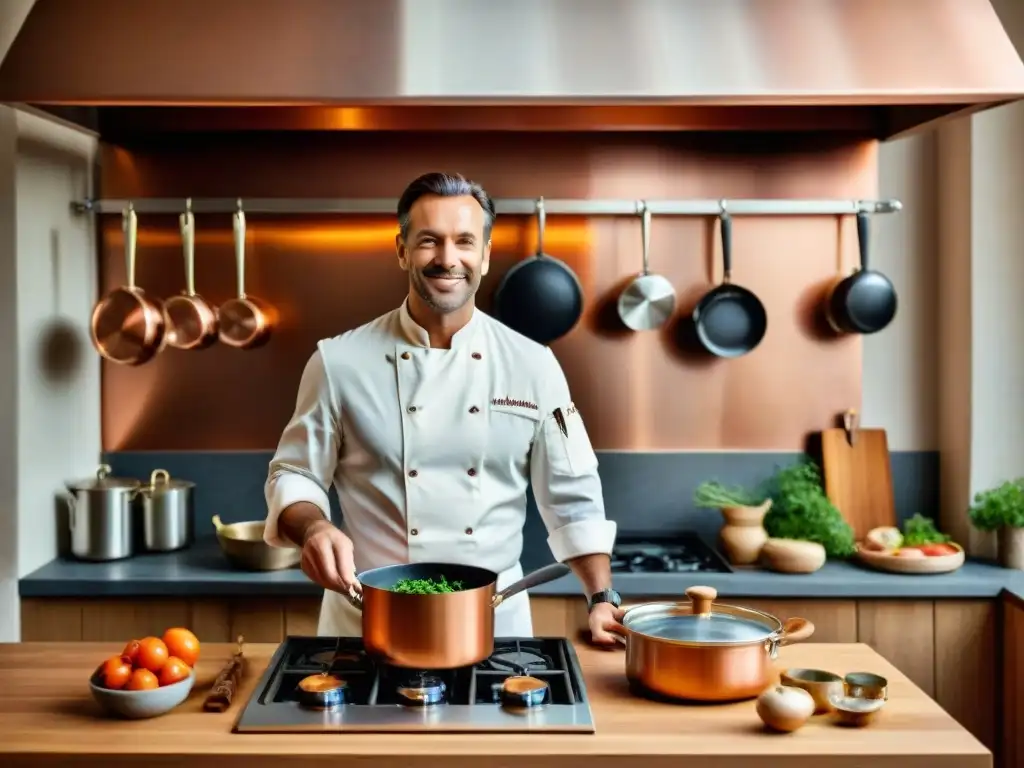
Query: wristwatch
<point x="605" y="596"/>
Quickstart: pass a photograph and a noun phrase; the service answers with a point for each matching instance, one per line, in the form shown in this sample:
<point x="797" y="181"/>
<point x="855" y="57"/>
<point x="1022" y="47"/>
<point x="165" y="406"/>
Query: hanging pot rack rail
<point x="508" y="206"/>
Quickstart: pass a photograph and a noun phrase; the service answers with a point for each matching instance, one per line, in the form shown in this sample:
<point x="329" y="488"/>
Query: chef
<point x="431" y="421"/>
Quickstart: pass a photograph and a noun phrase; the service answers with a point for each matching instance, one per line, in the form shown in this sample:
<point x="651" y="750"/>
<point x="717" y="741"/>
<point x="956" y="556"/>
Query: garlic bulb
<point x="784" y="707"/>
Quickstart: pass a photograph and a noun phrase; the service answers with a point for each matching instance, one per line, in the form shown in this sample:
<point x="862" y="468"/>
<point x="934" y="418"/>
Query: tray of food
<point x="920" y="548"/>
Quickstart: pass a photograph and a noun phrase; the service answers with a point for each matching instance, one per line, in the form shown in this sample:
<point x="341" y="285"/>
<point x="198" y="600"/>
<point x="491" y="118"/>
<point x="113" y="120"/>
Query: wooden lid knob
<point x="701" y="599"/>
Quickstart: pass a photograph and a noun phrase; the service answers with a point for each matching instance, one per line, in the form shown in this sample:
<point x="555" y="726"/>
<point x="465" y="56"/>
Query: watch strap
<point x="605" y="596"/>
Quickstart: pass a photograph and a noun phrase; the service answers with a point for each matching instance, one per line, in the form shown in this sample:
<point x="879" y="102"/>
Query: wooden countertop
<point x="48" y="717"/>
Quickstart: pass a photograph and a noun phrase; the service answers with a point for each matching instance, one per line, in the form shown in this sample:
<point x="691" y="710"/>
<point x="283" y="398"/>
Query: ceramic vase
<point x="1011" y="548"/>
<point x="743" y="534"/>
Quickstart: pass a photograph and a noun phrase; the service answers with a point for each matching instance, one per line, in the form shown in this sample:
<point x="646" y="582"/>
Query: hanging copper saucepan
<point x="191" y="321"/>
<point x="245" y="321"/>
<point x="127" y="325"/>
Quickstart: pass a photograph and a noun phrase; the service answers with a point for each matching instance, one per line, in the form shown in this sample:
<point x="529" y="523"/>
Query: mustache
<point x="441" y="272"/>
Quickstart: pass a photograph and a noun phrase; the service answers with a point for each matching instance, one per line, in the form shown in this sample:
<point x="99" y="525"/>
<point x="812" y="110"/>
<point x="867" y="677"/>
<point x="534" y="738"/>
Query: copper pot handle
<point x="795" y="630"/>
<point x="355" y="599"/>
<point x="532" y="579"/>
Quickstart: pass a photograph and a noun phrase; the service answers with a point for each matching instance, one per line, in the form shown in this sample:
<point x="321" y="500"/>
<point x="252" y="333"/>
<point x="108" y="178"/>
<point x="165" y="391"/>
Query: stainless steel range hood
<point x="880" y="66"/>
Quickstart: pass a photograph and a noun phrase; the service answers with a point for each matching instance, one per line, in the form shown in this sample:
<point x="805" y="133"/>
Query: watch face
<point x="606" y="596"/>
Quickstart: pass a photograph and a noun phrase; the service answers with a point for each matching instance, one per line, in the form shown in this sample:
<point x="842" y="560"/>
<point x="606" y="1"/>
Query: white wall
<point x="49" y="390"/>
<point x="900" y="392"/>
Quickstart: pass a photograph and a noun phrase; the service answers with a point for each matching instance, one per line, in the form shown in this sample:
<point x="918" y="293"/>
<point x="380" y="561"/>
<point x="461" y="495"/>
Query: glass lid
<point x="701" y="622"/>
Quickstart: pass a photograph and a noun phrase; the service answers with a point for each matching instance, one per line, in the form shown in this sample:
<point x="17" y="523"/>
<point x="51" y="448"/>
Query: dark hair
<point x="444" y="185"/>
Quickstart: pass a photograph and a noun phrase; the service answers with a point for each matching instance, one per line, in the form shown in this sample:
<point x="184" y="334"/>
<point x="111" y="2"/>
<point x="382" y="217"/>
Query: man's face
<point x="445" y="254"/>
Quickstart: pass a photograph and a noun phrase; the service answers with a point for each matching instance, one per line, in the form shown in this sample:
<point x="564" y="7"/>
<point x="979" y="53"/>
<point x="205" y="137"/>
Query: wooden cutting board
<point x="858" y="474"/>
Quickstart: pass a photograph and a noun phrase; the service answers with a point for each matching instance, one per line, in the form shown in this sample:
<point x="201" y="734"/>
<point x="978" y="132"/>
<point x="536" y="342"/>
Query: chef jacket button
<point x="474" y="409"/>
<point x="412" y="409"/>
<point x="476" y="356"/>
<point x="406" y="355"/>
<point x="413" y="473"/>
<point x="414" y="532"/>
<point x="471" y="472"/>
<point x="469" y="531"/>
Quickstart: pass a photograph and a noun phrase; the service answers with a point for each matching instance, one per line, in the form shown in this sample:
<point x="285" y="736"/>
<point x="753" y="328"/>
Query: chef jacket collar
<point x="416" y="335"/>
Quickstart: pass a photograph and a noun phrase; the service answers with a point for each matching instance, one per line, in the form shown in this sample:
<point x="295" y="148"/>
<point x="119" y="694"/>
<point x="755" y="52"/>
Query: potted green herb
<point x="801" y="510"/>
<point x="743" y="535"/>
<point x="1001" y="509"/>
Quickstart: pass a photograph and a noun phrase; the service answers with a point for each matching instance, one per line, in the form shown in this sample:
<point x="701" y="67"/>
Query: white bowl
<point x="140" y="704"/>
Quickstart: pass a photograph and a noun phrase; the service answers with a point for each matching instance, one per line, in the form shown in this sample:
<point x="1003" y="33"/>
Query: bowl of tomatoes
<point x="149" y="677"/>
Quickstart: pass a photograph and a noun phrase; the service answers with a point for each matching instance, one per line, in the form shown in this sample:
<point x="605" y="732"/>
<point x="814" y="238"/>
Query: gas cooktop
<point x="684" y="552"/>
<point x="532" y="684"/>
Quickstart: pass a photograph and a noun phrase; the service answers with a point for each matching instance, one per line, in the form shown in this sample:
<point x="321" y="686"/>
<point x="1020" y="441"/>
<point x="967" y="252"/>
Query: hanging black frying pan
<point x="864" y="302"/>
<point x="730" y="320"/>
<point x="539" y="297"/>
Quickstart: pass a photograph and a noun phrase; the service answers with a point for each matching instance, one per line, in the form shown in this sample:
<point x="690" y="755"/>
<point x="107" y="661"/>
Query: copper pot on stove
<point x="703" y="650"/>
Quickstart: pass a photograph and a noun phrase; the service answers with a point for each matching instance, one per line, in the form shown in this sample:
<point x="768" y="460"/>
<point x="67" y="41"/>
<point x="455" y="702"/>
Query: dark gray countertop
<point x="202" y="570"/>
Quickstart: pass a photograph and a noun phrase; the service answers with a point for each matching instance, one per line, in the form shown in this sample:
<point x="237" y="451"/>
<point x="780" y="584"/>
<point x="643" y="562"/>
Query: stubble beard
<point x="444" y="303"/>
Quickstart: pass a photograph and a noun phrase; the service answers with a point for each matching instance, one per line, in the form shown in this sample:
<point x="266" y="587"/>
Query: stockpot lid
<point x="160" y="480"/>
<point x="103" y="481"/>
<point x="701" y="621"/>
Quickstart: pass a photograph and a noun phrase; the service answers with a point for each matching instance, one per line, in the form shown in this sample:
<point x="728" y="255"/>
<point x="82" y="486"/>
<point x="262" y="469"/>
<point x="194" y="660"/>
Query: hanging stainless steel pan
<point x="436" y="631"/>
<point x="539" y="297"/>
<point x="650" y="300"/>
<point x="730" y="319"/>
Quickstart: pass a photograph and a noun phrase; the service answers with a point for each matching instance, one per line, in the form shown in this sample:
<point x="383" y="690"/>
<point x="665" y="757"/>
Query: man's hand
<point x="327" y="558"/>
<point x="605" y="619"/>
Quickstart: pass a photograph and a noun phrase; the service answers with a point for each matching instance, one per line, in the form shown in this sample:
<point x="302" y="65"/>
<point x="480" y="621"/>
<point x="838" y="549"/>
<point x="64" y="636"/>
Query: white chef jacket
<point x="431" y="451"/>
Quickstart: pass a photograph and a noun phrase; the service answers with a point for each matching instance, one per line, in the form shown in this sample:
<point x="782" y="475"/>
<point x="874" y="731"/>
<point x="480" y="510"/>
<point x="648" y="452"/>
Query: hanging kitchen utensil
<point x="857" y="475"/>
<point x="702" y="650"/>
<point x="540" y="297"/>
<point x="730" y="319"/>
<point x="245" y="322"/>
<point x="436" y="631"/>
<point x="649" y="301"/>
<point x="865" y="301"/>
<point x="191" y="321"/>
<point x="127" y="325"/>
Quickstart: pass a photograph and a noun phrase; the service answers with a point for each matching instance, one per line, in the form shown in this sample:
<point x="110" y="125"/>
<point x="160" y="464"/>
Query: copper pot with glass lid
<point x="703" y="650"/>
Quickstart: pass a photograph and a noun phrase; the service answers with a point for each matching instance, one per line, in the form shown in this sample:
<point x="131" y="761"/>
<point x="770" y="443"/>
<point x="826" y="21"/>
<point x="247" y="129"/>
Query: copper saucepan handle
<point x="532" y="579"/>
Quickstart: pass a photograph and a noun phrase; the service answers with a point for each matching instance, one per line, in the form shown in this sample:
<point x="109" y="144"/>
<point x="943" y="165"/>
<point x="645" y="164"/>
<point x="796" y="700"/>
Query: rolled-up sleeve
<point x="564" y="477"/>
<point x="303" y="465"/>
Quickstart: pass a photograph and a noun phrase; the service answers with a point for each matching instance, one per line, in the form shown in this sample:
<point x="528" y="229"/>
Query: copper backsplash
<point x="646" y="391"/>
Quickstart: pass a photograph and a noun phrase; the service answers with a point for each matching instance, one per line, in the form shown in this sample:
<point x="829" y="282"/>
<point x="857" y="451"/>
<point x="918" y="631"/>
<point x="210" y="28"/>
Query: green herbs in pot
<point x="713" y="495"/>
<point x="999" y="507"/>
<point x="438" y="586"/>
<point x="801" y="510"/>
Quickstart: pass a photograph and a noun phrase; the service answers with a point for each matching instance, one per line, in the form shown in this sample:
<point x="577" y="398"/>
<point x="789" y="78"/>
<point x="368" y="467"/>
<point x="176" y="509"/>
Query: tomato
<point x="152" y="654"/>
<point x="132" y="651"/>
<point x="116" y="672"/>
<point x="174" y="671"/>
<point x="142" y="680"/>
<point x="938" y="550"/>
<point x="182" y="643"/>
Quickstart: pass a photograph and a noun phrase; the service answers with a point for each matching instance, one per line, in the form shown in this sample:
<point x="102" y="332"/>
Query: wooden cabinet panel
<point x="1013" y="682"/>
<point x="903" y="632"/>
<point x="965" y="664"/>
<point x="123" y="619"/>
<point x="835" y="621"/>
<point x="56" y="619"/>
